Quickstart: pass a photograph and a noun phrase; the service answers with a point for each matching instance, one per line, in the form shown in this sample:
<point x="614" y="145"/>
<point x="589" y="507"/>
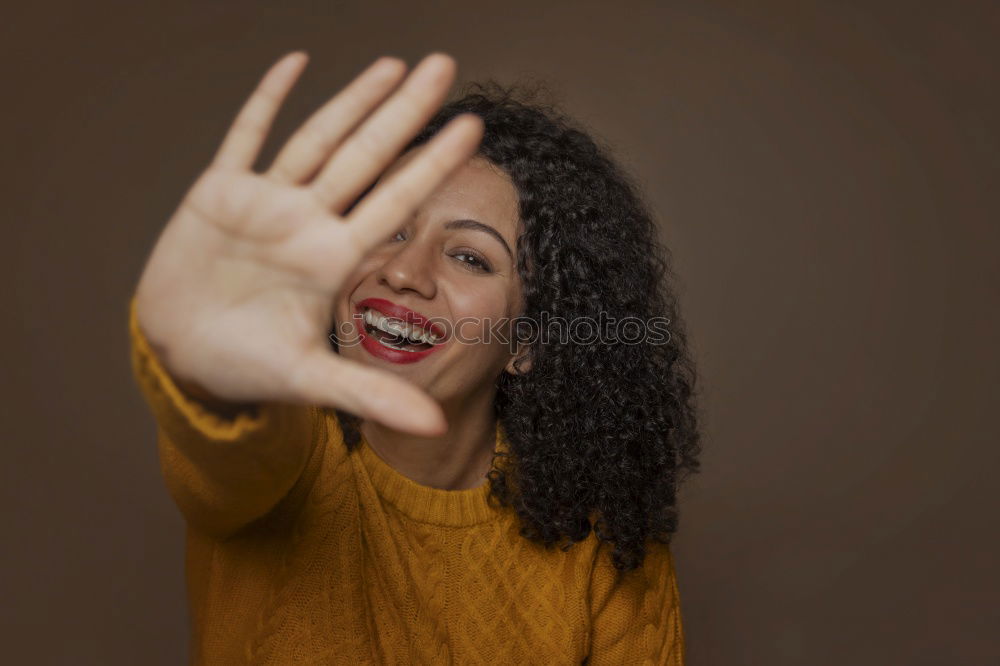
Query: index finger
<point x="386" y="207"/>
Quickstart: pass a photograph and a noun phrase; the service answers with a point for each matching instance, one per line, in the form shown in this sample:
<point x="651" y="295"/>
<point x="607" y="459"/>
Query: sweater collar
<point x="452" y="508"/>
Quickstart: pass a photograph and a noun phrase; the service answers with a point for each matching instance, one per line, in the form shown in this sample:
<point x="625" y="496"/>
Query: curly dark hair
<point x="600" y="435"/>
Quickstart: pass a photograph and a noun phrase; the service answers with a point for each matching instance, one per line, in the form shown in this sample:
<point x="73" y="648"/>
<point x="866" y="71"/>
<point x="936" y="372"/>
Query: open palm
<point x="238" y="293"/>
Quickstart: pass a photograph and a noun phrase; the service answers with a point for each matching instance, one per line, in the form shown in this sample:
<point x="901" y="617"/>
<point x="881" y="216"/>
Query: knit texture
<point x="298" y="552"/>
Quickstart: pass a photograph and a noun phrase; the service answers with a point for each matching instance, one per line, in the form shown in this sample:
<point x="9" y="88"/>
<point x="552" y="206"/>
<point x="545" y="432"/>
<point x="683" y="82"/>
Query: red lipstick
<point x="403" y="314"/>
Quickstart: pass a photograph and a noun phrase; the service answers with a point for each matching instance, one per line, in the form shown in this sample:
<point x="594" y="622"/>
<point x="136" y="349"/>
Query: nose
<point x="408" y="268"/>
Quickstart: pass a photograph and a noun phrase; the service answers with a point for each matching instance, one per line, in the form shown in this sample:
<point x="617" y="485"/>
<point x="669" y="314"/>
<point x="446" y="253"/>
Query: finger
<point x="312" y="144"/>
<point x="386" y="207"/>
<point x="246" y="135"/>
<point x="324" y="378"/>
<point x="367" y="152"/>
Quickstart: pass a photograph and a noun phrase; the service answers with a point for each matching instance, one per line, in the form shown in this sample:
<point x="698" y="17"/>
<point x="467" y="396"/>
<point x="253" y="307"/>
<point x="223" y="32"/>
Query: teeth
<point x="396" y="327"/>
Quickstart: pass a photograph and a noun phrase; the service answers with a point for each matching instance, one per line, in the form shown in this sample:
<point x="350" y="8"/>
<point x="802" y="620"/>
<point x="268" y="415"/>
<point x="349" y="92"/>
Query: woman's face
<point x="453" y="264"/>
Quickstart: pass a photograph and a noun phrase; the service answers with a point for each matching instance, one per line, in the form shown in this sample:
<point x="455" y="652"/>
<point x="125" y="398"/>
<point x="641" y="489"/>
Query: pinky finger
<point x="245" y="137"/>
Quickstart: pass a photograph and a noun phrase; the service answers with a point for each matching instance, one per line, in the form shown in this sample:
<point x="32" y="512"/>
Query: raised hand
<point x="237" y="296"/>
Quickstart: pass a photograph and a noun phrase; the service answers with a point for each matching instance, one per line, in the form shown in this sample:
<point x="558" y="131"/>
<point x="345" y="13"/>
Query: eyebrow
<point x="479" y="226"/>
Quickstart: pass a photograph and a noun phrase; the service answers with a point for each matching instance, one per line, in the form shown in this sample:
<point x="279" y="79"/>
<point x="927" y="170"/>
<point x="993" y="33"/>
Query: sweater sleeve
<point x="222" y="472"/>
<point x="636" y="616"/>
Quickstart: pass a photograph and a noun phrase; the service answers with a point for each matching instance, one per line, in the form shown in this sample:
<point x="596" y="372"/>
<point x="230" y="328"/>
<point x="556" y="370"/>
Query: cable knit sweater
<point x="300" y="552"/>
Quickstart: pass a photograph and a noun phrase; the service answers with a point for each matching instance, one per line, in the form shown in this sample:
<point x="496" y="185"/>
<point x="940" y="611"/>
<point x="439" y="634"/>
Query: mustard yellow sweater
<point x="300" y="552"/>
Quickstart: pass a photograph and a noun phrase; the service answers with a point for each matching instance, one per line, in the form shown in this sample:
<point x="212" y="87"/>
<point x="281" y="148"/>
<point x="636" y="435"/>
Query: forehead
<point x="478" y="190"/>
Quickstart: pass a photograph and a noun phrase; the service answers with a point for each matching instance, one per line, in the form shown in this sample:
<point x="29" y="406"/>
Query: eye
<point x="398" y="236"/>
<point x="473" y="261"/>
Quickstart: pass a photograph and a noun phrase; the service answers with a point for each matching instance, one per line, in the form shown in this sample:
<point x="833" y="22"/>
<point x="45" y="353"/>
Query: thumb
<point x="324" y="378"/>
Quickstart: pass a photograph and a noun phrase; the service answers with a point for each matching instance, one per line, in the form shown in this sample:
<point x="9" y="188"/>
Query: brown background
<point x="825" y="174"/>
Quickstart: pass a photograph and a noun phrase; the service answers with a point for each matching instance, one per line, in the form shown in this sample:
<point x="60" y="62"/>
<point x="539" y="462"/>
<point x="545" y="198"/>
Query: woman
<point x="399" y="498"/>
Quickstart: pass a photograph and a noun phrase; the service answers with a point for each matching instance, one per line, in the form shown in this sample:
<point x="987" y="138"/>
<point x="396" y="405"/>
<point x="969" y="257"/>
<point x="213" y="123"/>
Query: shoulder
<point x="652" y="582"/>
<point x="635" y="615"/>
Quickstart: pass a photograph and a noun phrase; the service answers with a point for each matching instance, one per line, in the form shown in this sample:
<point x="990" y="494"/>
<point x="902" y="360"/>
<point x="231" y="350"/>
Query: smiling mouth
<point x="396" y="334"/>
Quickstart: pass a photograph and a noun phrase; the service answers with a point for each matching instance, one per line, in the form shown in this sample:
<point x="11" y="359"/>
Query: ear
<point x="520" y="363"/>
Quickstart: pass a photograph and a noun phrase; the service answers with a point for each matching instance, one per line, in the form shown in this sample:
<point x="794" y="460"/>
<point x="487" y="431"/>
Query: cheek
<point x="351" y="284"/>
<point x="479" y="315"/>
